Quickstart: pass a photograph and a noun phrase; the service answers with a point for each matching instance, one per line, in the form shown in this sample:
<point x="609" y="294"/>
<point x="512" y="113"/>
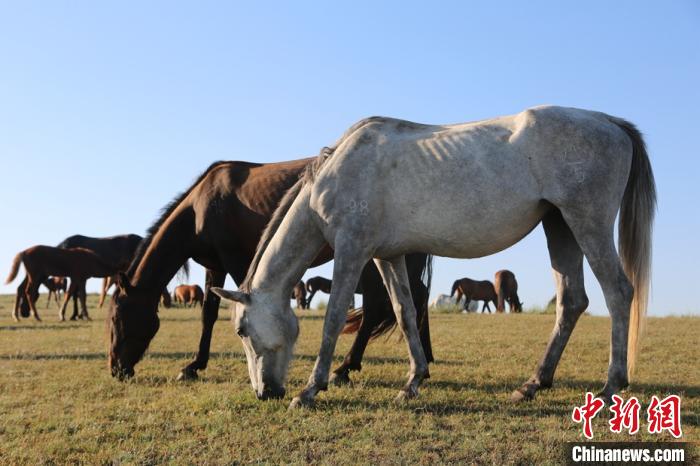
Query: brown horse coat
<point x="42" y="261"/>
<point x="473" y="290"/>
<point x="218" y="222"/>
<point x="507" y="289"/>
<point x="299" y="295"/>
<point x="189" y="295"/>
<point x="55" y="285"/>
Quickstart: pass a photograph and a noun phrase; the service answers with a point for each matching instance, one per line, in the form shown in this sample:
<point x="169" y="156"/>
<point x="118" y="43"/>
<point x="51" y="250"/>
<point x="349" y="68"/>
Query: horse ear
<point x="238" y="296"/>
<point x="123" y="283"/>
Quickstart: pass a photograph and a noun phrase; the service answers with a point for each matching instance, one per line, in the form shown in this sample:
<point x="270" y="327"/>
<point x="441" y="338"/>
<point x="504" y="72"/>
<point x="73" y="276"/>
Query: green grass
<point x="58" y="403"/>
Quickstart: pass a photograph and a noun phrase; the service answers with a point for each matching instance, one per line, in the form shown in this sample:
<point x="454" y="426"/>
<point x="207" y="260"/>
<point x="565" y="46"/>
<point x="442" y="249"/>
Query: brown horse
<point x="165" y="299"/>
<point x="188" y="295"/>
<point x="218" y="222"/>
<point x="114" y="250"/>
<point x="473" y="290"/>
<point x="55" y="285"/>
<point x="42" y="261"/>
<point x="316" y="284"/>
<point x="507" y="290"/>
<point x="299" y="294"/>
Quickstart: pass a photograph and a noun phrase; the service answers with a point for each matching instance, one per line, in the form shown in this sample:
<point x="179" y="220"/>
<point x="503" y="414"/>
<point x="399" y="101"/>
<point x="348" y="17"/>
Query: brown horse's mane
<point x="164" y="214"/>
<point x="308" y="176"/>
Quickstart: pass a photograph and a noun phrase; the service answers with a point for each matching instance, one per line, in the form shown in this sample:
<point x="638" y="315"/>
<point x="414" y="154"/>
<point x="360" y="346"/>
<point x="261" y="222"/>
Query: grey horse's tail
<point x="15" y="268"/>
<point x="635" y="232"/>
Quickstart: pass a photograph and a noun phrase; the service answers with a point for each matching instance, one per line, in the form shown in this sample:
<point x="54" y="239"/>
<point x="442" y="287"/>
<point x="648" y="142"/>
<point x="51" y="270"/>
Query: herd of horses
<point x="504" y="289"/>
<point x="380" y="202"/>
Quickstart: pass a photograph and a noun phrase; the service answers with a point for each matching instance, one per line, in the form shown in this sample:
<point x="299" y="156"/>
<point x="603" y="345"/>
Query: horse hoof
<point x="186" y="375"/>
<point x="517" y="396"/>
<point x="405" y="395"/>
<point x="299" y="402"/>
<point x="341" y="379"/>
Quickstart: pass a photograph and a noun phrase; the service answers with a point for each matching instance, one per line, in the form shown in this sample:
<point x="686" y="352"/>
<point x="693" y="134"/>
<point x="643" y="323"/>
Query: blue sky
<point x="108" y="110"/>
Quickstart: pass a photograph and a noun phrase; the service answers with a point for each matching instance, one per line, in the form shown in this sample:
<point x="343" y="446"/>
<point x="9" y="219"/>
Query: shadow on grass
<point x="40" y="326"/>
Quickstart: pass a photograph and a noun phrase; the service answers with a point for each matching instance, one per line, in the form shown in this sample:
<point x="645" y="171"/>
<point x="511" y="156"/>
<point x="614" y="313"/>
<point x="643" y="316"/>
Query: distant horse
<point x="391" y="187"/>
<point x="507" y="289"/>
<point x="316" y="284"/>
<point x="114" y="250"/>
<point x="55" y="285"/>
<point x="476" y="291"/>
<point x="299" y="294"/>
<point x="165" y="299"/>
<point x="42" y="261"/>
<point x="218" y="222"/>
<point x="188" y="295"/>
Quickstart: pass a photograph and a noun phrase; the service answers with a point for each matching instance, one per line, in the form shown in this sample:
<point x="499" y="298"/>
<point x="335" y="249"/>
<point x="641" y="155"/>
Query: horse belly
<point x="476" y="220"/>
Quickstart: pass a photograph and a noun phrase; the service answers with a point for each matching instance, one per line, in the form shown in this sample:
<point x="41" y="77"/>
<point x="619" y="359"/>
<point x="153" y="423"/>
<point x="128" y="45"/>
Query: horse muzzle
<point x="271" y="392"/>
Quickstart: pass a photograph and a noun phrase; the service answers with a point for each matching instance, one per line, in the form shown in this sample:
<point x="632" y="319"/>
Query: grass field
<point x="58" y="403"/>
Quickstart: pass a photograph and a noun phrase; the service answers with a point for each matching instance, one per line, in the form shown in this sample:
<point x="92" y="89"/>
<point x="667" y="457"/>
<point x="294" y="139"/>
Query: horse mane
<point x="273" y="225"/>
<point x="163" y="216"/>
<point x="308" y="177"/>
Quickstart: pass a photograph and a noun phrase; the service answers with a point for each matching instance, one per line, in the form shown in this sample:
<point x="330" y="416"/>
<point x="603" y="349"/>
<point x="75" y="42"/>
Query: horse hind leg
<point x="31" y="295"/>
<point x="396" y="280"/>
<point x="567" y="265"/>
<point x="597" y="242"/>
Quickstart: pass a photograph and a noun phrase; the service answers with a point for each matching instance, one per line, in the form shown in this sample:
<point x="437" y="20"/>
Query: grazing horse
<point x="115" y="250"/>
<point x="391" y="187"/>
<point x="507" y="290"/>
<point x="473" y="290"/>
<point x="188" y="295"/>
<point x="42" y="261"/>
<point x="218" y="222"/>
<point x="316" y="284"/>
<point x="165" y="299"/>
<point x="55" y="285"/>
<point x="299" y="294"/>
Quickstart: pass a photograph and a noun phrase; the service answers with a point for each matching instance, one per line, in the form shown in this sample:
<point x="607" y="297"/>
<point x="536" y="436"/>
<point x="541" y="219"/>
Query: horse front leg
<point x="210" y="313"/>
<point x="66" y="298"/>
<point x="348" y="263"/>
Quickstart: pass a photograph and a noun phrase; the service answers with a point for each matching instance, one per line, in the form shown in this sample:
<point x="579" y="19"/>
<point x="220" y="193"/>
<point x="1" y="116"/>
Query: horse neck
<point x="168" y="250"/>
<point x="292" y="249"/>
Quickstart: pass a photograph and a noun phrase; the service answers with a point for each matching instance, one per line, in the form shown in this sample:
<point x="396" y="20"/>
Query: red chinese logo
<point x="662" y="415"/>
<point x="587" y="412"/>
<point x="625" y="415"/>
<point x="665" y="415"/>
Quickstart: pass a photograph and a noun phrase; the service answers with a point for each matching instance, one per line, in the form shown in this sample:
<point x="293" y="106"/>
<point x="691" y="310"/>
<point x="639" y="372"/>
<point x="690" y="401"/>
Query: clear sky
<point x="108" y="110"/>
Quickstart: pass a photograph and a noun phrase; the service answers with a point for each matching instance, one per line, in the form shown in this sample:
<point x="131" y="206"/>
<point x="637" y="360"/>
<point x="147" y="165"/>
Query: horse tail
<point x="455" y="285"/>
<point x="15" y="267"/>
<point x="635" y="233"/>
<point x="353" y="321"/>
<point x="388" y="324"/>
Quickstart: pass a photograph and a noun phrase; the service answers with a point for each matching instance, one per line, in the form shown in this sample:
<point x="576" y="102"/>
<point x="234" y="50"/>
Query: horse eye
<point x="241" y="331"/>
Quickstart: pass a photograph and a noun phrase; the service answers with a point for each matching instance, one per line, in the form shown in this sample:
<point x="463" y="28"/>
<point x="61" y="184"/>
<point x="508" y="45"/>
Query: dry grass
<point x="58" y="403"/>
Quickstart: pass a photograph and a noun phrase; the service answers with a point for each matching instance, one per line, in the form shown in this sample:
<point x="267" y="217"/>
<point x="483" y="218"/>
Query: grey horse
<point x="391" y="187"/>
